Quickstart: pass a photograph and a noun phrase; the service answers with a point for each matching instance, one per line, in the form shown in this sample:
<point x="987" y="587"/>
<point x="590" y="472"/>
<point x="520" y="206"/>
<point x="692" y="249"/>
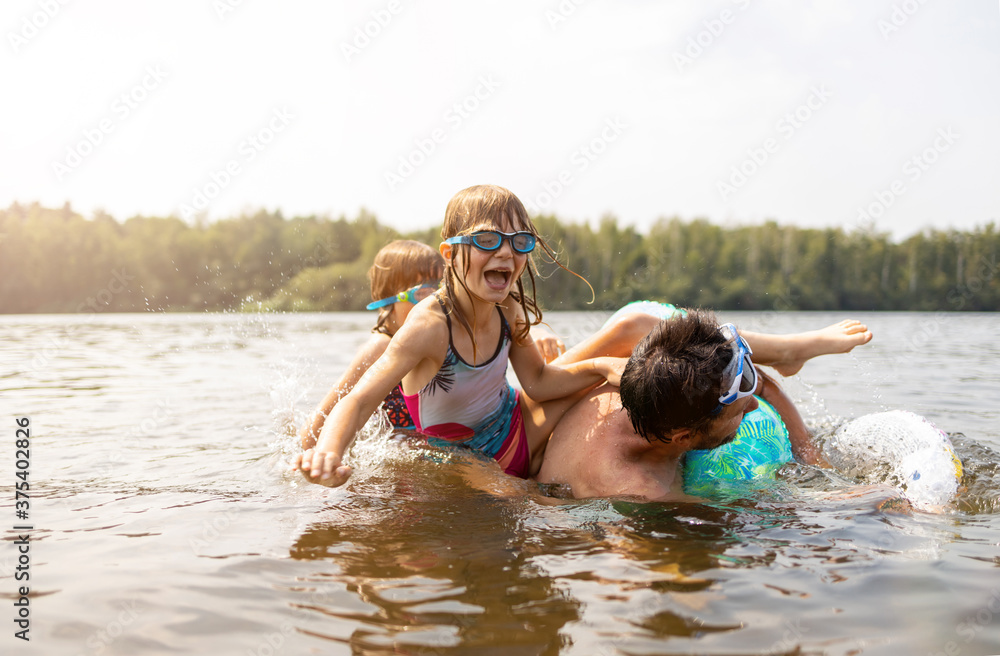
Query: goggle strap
<point x="381" y="303"/>
<point x="736" y="367"/>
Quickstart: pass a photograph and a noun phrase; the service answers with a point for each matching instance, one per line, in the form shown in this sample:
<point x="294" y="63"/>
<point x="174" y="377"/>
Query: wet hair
<point x="398" y="266"/>
<point x="674" y="376"/>
<point x="490" y="207"/>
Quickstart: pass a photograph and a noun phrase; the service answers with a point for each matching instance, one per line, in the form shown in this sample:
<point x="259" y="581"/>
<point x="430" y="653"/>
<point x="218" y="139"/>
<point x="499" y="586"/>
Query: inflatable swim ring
<point x="759" y="450"/>
<point x="654" y="308"/>
<point x="899" y="448"/>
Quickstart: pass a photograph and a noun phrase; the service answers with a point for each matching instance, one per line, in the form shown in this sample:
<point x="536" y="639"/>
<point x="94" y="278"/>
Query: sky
<point x="859" y="114"/>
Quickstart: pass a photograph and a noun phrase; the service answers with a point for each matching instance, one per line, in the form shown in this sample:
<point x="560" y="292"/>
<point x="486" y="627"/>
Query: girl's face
<point x="491" y="275"/>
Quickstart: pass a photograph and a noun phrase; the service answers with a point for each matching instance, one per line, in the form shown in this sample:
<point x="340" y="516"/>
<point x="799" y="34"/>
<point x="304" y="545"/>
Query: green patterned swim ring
<point x="760" y="449"/>
<point x="654" y="308"/>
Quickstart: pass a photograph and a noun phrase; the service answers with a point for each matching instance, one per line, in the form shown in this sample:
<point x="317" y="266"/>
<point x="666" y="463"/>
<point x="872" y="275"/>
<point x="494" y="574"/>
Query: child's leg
<point x="803" y="447"/>
<point x="616" y="339"/>
<point x="540" y="420"/>
<point x="787" y="353"/>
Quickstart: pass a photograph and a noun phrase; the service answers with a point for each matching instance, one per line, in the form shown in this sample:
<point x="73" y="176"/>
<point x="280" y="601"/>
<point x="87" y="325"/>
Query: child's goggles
<point x="491" y="240"/>
<point x="740" y="369"/>
<point x="412" y="295"/>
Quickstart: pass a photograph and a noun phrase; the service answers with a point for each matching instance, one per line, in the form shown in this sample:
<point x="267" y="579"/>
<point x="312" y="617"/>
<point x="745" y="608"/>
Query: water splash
<point x="902" y="449"/>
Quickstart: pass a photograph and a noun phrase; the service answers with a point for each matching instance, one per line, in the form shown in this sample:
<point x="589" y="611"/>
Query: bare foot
<point x="838" y="338"/>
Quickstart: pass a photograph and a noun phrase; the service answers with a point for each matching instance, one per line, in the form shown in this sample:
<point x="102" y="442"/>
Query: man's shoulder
<point x="598" y="414"/>
<point x="597" y="452"/>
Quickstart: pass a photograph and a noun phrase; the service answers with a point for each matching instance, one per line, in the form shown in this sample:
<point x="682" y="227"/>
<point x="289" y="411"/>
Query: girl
<point x="404" y="272"/>
<point x="451" y="354"/>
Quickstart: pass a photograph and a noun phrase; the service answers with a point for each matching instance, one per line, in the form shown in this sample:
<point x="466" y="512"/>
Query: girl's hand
<point x="612" y="368"/>
<point x="547" y="342"/>
<point x="322" y="468"/>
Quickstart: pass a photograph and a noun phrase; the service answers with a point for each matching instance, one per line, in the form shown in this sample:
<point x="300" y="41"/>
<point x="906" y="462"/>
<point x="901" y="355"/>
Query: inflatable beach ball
<point x="898" y="448"/>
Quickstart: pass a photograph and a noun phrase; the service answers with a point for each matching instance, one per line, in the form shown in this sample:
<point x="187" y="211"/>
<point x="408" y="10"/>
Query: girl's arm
<point x="417" y="340"/>
<point x="363" y="360"/>
<point x="544" y="382"/>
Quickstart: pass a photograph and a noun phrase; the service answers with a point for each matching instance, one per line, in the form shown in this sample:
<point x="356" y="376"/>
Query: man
<point x="687" y="385"/>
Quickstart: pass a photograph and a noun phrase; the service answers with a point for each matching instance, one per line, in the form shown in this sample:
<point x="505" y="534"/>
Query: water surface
<point x="165" y="520"/>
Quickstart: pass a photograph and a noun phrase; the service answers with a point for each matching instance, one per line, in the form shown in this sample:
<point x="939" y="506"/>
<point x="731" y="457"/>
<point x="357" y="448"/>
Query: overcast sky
<point x="850" y="113"/>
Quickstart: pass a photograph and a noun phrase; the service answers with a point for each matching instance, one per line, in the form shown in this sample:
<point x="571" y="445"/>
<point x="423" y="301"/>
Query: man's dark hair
<point x="674" y="376"/>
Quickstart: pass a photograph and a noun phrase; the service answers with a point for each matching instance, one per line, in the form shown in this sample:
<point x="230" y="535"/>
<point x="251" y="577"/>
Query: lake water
<point x="165" y="521"/>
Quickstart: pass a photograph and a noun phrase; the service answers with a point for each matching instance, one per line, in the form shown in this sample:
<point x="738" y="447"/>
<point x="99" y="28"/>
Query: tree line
<point x="55" y="260"/>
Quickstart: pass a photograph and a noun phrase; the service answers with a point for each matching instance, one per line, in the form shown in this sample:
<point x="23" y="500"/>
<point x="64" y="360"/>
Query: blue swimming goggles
<point x="412" y="295"/>
<point x="740" y="369"/>
<point x="491" y="240"/>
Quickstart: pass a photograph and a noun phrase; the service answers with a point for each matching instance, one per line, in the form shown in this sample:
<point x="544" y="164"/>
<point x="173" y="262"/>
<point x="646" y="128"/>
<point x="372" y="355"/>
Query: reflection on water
<point x="166" y="520"/>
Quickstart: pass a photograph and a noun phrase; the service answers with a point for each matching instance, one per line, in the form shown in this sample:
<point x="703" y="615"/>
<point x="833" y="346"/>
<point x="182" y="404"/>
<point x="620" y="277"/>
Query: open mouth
<point x="497" y="278"/>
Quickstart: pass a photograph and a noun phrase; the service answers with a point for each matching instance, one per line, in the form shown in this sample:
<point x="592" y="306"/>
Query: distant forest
<point x="55" y="260"/>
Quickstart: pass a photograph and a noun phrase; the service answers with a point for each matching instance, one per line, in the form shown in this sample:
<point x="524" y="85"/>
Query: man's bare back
<point x="595" y="451"/>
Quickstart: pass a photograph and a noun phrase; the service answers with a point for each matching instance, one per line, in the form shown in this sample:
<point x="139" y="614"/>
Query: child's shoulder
<point x="376" y="342"/>
<point x="514" y="313"/>
<point x="424" y="334"/>
<point x="427" y="315"/>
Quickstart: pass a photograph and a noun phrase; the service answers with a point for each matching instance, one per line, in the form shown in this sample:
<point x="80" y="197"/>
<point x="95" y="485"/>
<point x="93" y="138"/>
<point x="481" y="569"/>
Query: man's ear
<point x="445" y="250"/>
<point x="682" y="437"/>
